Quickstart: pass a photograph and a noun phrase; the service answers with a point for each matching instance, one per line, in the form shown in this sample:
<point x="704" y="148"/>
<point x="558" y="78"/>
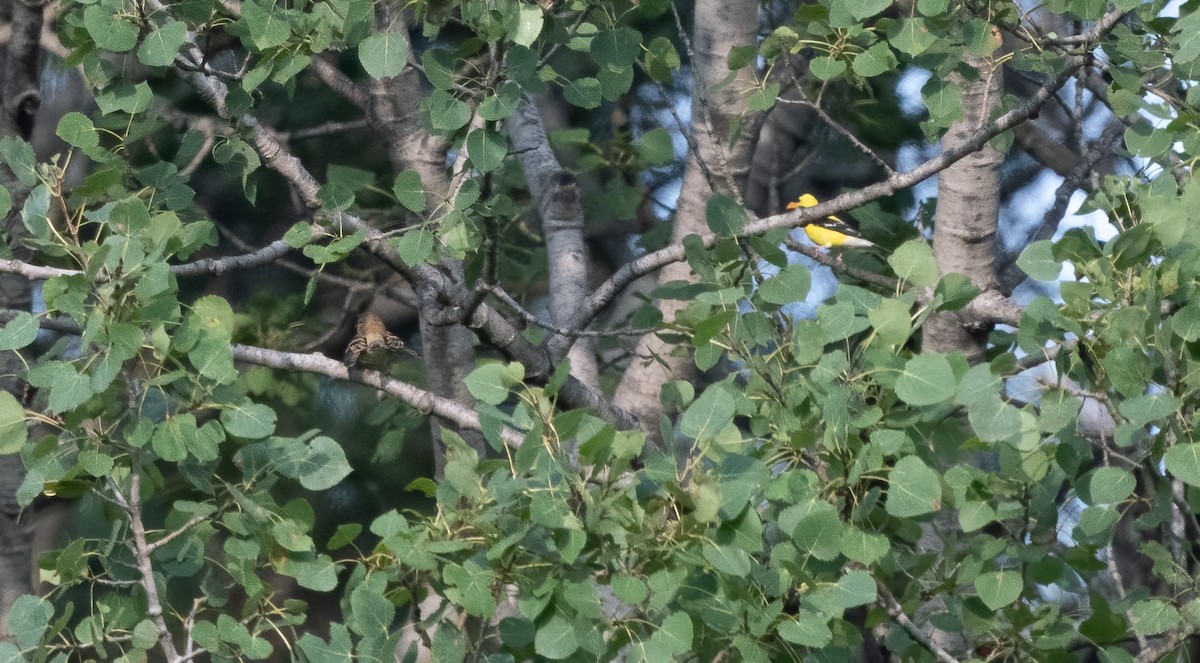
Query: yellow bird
<point x="831" y="231"/>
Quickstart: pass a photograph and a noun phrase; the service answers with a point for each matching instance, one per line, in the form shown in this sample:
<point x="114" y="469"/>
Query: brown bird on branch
<point x="369" y="335"/>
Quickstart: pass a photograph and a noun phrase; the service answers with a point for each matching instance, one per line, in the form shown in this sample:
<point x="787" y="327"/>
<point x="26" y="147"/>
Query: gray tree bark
<point x="719" y="25"/>
<point x="557" y="198"/>
<point x="968" y="212"/>
<point x="394" y="110"/>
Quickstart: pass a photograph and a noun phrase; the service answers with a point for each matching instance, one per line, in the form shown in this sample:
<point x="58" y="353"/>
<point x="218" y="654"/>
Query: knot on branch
<point x="434" y="309"/>
<point x="25" y="103"/>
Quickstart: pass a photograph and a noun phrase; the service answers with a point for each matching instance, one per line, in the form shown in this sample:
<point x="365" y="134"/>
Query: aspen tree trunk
<point x="968" y="211"/>
<point x="712" y="167"/>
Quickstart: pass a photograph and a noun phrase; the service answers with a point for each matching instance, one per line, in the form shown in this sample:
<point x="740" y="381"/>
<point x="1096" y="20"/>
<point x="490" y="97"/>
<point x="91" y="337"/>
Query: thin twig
<point x="839" y="266"/>
<point x="132" y="506"/>
<point x="529" y="317"/>
<point x="192" y="522"/>
<point x="896" y="612"/>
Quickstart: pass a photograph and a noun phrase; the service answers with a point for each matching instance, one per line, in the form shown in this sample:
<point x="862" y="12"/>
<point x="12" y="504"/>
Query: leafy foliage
<point x="799" y="483"/>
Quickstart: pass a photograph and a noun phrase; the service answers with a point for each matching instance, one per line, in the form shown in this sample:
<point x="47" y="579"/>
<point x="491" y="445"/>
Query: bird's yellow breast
<point x="822" y="236"/>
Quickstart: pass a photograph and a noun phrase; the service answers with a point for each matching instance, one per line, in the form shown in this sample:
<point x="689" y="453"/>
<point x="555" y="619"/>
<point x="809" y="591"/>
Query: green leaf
<point x="999" y="588"/>
<point x="808" y="629"/>
<point x="528" y="25"/>
<point x="826" y="68"/>
<point x="315" y="572"/>
<point x="630" y="589"/>
<point x="28" y="618"/>
<point x="109" y="30"/>
<point x="324" y="464"/>
<point x="267" y="26"/>
<point x="68" y="387"/>
<point x="818" y="531"/>
<point x="856" y="588"/>
<point x="662" y="59"/>
<point x="371" y="613"/>
<point x="410" y="191"/>
<point x="675" y="634"/>
<point x="791" y="284"/>
<point x="927" y="379"/>
<point x="992" y="419"/>
<point x="1146" y="140"/>
<point x="763" y="98"/>
<point x="13" y="432"/>
<point x="861" y="9"/>
<point x="1107" y="485"/>
<point x="556" y="639"/>
<point x="1103" y="626"/>
<point x="583" y="92"/>
<point x="173" y="437"/>
<point x="725" y="216"/>
<point x="1152" y="616"/>
<point x="1037" y="260"/>
<point x="251" y="421"/>
<point x="384" y="54"/>
<point x="77" y="130"/>
<point x="299" y="235"/>
<point x="415" y="246"/>
<point x="344" y="535"/>
<point x="21" y="159"/>
<point x="974" y="515"/>
<point x="913" y="261"/>
<point x="656" y="147"/>
<point x="1187" y="41"/>
<point x="19" y="332"/>
<point x="446" y="113"/>
<point x="159" y="47"/>
<point x="490" y="383"/>
<point x="913" y="489"/>
<point x="874" y="61"/>
<point x="891" y="321"/>
<point x="213" y="358"/>
<point x="727" y="559"/>
<point x="486" y="149"/>
<point x="1183" y="460"/>
<point x="863" y="547"/>
<point x="708" y="414"/>
<point x="910" y="36"/>
<point x="214" y="314"/>
<point x="439" y="68"/>
<point x="500" y="105"/>
<point x="943" y="100"/>
<point x="616" y="50"/>
<point x="95" y="463"/>
<point x="339" y="648"/>
<point x="1142" y="410"/>
<point x="472" y="588"/>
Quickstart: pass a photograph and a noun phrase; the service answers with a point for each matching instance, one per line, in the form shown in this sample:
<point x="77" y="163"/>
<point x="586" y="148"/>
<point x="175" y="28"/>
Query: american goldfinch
<point x="831" y="231"/>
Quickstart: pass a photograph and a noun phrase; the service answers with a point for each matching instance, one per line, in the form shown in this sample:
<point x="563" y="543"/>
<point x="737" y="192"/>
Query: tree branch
<point x="557" y="199"/>
<point x="423" y="401"/>
<point x="896" y="612"/>
<point x="30" y="271"/>
<point x="276" y="157"/>
<point x="602" y="296"/>
<point x="132" y="506"/>
<point x="319" y="364"/>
